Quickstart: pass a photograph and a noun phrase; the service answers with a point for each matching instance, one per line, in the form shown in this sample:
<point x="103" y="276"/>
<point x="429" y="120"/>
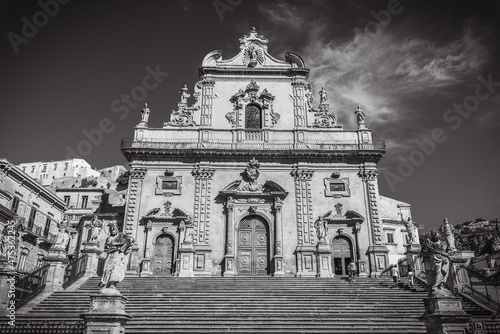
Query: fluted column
<point x="146" y="262"/>
<point x="278" y="251"/>
<point x="229" y="257"/>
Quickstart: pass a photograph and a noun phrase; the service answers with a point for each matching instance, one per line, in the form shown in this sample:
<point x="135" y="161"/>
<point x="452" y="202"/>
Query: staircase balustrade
<point x="44" y="327"/>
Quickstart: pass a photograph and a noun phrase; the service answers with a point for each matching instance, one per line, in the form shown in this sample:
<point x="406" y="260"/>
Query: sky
<point x="425" y="73"/>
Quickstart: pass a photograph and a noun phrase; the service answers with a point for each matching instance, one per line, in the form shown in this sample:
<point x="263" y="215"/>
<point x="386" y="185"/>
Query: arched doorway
<point x="163" y="255"/>
<point x="342" y="254"/>
<point x="253" y="246"/>
<point x="253" y="117"/>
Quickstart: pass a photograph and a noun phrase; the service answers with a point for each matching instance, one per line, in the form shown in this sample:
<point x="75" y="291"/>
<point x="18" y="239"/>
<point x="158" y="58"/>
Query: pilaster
<point x="278" y="247"/>
<point x="299" y="88"/>
<point x="55" y="275"/>
<point x="206" y="104"/>
<point x="324" y="258"/>
<point x="146" y="261"/>
<point x="132" y="213"/>
<point x="229" y="257"/>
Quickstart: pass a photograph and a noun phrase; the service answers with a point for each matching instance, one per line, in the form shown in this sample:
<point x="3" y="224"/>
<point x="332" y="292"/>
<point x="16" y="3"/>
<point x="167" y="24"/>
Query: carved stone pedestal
<point x="229" y="266"/>
<point x="362" y="268"/>
<point x="133" y="265"/>
<point x="93" y="252"/>
<point x="55" y="275"/>
<point x="445" y="315"/>
<point x="145" y="267"/>
<point x="412" y="251"/>
<point x="278" y="266"/>
<point x="186" y="256"/>
<point x="324" y="258"/>
<point x="379" y="259"/>
<point x="306" y="264"/>
<point x="107" y="313"/>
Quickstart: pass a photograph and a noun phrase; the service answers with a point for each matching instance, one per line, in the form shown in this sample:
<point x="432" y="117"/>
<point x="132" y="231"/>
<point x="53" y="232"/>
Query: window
<point x="169" y="185"/>
<point x="32" y="169"/>
<point x="85" y="200"/>
<point x="253" y="117"/>
<point x="55" y="166"/>
<point x="390" y="237"/>
<point x="24" y="169"/>
<point x="47" y="227"/>
<point x="44" y="168"/>
<point x="66" y="166"/>
<point x="31" y="220"/>
<point x="15" y="204"/>
<point x="67" y="199"/>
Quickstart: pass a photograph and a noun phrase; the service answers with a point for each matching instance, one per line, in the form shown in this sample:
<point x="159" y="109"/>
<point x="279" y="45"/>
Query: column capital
<point x="367" y="174"/>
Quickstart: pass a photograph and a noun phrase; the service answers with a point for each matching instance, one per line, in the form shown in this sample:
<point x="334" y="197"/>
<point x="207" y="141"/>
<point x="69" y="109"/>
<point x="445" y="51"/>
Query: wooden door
<point x="164" y="251"/>
<point x="342" y="255"/>
<point x="253" y="250"/>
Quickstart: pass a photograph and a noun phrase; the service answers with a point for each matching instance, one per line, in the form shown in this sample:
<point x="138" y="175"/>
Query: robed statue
<point x="437" y="257"/>
<point x="321" y="226"/>
<point x="118" y="245"/>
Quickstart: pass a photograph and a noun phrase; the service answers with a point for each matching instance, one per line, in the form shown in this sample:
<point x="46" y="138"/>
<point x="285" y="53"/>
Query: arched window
<point x="253" y="117"/>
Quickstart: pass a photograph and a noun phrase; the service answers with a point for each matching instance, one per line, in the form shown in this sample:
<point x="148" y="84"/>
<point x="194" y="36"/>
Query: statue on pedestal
<point x="118" y="245"/>
<point x="145" y="115"/>
<point x="323" y="96"/>
<point x="321" y="229"/>
<point x="437" y="257"/>
<point x="360" y="116"/>
<point x="62" y="238"/>
<point x="95" y="227"/>
<point x="447" y="230"/>
<point x="412" y="237"/>
<point x="4" y="242"/>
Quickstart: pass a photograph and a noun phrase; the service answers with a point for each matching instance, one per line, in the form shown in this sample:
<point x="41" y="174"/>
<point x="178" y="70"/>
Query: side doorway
<point x="163" y="255"/>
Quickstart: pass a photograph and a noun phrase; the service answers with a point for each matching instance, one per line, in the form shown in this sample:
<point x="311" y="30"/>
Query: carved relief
<point x="251" y="174"/>
<point x="323" y="117"/>
<point x="253" y="47"/>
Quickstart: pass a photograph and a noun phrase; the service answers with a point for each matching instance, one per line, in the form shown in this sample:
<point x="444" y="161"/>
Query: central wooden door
<point x="164" y="253"/>
<point x="253" y="247"/>
<point x="342" y="255"/>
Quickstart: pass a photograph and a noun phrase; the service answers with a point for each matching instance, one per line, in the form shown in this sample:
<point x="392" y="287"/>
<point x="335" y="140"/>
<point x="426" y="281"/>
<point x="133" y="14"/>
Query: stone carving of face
<point x="113" y="230"/>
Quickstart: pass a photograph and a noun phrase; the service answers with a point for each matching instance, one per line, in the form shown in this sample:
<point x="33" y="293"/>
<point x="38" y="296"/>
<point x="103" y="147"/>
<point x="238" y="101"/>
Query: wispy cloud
<point x="381" y="71"/>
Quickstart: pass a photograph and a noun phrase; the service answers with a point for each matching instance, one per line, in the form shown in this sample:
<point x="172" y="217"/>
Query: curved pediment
<point x="269" y="188"/>
<point x="254" y="55"/>
<point x="176" y="216"/>
<point x="349" y="216"/>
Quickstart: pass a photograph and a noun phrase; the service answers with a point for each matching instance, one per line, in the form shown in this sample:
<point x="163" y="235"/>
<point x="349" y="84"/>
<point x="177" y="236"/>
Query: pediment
<point x="350" y="216"/>
<point x="176" y="216"/>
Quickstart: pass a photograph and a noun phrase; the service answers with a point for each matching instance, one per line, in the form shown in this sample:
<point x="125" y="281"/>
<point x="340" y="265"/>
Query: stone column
<point x="186" y="256"/>
<point x="456" y="277"/>
<point x="229" y="257"/>
<point x="93" y="252"/>
<point x="362" y="268"/>
<point x="146" y="261"/>
<point x="445" y="315"/>
<point x="278" y="252"/>
<point x="107" y="313"/>
<point x="55" y="275"/>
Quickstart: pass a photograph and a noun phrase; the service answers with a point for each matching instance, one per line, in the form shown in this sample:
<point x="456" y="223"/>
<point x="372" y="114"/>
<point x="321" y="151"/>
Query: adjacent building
<point x="251" y="176"/>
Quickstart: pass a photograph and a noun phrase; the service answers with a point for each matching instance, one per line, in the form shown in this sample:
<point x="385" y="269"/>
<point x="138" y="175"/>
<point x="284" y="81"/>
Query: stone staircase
<point x="251" y="305"/>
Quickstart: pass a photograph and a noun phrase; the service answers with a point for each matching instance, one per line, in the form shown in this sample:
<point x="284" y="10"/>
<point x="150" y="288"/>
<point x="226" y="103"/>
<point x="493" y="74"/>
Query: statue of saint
<point x="4" y="242"/>
<point x="323" y="96"/>
<point x="412" y="237"/>
<point x="437" y="266"/>
<point x="188" y="236"/>
<point x="360" y="116"/>
<point x="321" y="229"/>
<point x="118" y="245"/>
<point x="62" y="238"/>
<point x="184" y="94"/>
<point x="95" y="227"/>
<point x="447" y="230"/>
<point x="145" y="114"/>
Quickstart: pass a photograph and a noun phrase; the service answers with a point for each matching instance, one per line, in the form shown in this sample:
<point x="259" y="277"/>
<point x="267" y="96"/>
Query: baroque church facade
<point x="251" y="177"/>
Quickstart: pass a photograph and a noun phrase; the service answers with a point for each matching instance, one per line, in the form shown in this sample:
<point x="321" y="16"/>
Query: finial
<point x="253" y="30"/>
<point x="145" y="105"/>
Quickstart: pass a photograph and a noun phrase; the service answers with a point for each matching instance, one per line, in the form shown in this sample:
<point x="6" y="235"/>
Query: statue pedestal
<point x="229" y="266"/>
<point x="379" y="259"/>
<point x="306" y="265"/>
<point x="412" y="252"/>
<point x="145" y="267"/>
<point x="55" y="275"/>
<point x="133" y="262"/>
<point x="93" y="252"/>
<point x="324" y="258"/>
<point x="457" y="277"/>
<point x="445" y="315"/>
<point x="186" y="256"/>
<point x="362" y="266"/>
<point x="8" y="279"/>
<point x="107" y="313"/>
<point x="278" y="266"/>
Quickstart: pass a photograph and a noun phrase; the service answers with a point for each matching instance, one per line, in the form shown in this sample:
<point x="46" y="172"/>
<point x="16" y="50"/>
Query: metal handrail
<point x="74" y="270"/>
<point x="30" y="285"/>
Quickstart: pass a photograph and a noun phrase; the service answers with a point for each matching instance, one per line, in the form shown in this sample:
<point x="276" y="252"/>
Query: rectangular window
<point x="44" y="169"/>
<point x="167" y="184"/>
<point x="66" y="166"/>
<point x="15" y="204"/>
<point x="31" y="220"/>
<point x="32" y="169"/>
<point x="67" y="199"/>
<point x="24" y="169"/>
<point x="85" y="200"/>
<point x="55" y="166"/>
<point x="390" y="238"/>
<point x="47" y="227"/>
<point x="337" y="186"/>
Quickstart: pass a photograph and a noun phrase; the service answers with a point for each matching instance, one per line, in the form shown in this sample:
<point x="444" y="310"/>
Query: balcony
<point x="254" y="146"/>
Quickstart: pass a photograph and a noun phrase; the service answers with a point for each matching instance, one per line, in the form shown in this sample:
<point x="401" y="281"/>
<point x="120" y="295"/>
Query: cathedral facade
<point x="251" y="177"/>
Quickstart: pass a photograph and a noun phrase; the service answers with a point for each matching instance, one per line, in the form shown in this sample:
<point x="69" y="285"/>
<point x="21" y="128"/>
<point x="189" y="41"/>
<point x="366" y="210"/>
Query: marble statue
<point x="184" y="94"/>
<point x="437" y="258"/>
<point x="145" y="114"/>
<point x="360" y="116"/>
<point x="189" y="235"/>
<point x="412" y="237"/>
<point x="447" y="230"/>
<point x="118" y="245"/>
<point x="4" y="242"/>
<point x="321" y="229"/>
<point x="95" y="227"/>
<point x="62" y="238"/>
<point x="323" y="96"/>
